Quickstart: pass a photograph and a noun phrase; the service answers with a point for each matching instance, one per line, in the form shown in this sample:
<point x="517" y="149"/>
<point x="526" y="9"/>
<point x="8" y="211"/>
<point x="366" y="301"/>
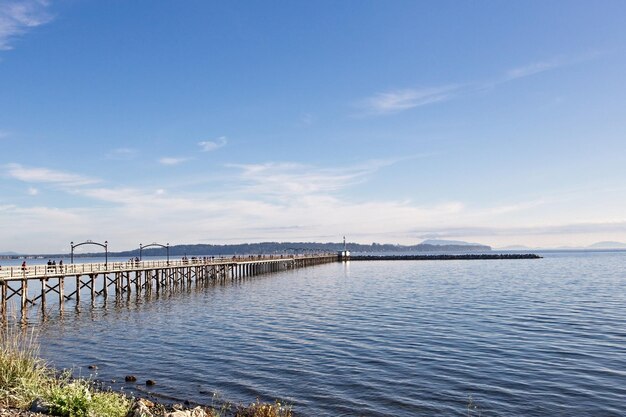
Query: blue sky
<point x="221" y="122"/>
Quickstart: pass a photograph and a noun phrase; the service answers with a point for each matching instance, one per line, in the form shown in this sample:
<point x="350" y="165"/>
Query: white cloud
<point x="208" y="146"/>
<point x="398" y="100"/>
<point x="18" y="17"/>
<point x="292" y="179"/>
<point x="121" y="154"/>
<point x="395" y="101"/>
<point x="510" y="208"/>
<point x="532" y="69"/>
<point x="172" y="161"/>
<point x="283" y="201"/>
<point x="32" y="191"/>
<point x="45" y="175"/>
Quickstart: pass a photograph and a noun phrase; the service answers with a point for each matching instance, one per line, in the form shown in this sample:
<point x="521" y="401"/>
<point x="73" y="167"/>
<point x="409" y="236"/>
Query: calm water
<point x="400" y="338"/>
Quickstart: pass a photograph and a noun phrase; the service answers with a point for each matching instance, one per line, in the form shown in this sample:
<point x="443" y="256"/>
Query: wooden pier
<point x="45" y="286"/>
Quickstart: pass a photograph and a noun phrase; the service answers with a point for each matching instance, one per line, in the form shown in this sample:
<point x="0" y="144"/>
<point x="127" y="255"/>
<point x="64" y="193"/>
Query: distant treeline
<point x="297" y="247"/>
<point x="276" y="248"/>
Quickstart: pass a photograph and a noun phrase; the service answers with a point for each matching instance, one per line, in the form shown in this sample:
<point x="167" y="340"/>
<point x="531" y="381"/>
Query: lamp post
<point x="166" y="247"/>
<point x="105" y="245"/>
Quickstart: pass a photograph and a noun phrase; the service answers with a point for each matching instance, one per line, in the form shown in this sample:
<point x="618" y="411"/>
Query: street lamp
<point x="105" y="245"/>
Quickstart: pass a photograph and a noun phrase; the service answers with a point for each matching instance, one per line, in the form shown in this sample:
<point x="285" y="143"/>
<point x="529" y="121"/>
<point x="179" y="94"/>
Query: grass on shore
<point x="25" y="377"/>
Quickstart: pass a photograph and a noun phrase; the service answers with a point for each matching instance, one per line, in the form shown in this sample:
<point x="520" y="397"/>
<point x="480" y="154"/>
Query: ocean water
<point x="542" y="337"/>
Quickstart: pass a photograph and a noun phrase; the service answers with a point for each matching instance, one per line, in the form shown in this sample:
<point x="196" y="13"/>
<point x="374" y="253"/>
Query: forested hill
<point x="298" y="247"/>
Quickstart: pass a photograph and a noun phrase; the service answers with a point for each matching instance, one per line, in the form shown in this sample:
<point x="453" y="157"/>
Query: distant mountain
<point x="441" y="242"/>
<point x="516" y="247"/>
<point x="8" y="253"/>
<point x="608" y="245"/>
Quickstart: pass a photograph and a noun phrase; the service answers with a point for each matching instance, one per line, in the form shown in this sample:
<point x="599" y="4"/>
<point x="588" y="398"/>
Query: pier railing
<point x="53" y="285"/>
<point x="44" y="270"/>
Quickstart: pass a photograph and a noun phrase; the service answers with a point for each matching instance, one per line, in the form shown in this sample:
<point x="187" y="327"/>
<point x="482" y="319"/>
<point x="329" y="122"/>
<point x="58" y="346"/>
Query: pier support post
<point x="44" y="288"/>
<point x="3" y="302"/>
<point x="61" y="296"/>
<point x="92" y="281"/>
<point x="24" y="294"/>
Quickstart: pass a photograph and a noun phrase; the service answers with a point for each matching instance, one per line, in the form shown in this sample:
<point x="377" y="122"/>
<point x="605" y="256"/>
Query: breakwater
<point x="443" y="257"/>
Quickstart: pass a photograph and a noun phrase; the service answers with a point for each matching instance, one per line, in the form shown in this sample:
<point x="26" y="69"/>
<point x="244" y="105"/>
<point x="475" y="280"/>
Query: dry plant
<point x="23" y="375"/>
<point x="259" y="409"/>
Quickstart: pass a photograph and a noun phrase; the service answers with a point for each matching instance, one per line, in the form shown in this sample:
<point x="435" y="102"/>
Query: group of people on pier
<point x="52" y="265"/>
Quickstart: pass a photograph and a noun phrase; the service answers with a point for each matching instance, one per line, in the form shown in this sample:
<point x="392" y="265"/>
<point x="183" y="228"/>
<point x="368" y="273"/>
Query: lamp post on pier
<point x="105" y="245"/>
<point x="166" y="246"/>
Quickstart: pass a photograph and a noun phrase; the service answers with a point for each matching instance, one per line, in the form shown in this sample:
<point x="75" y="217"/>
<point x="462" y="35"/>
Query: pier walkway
<point x="45" y="285"/>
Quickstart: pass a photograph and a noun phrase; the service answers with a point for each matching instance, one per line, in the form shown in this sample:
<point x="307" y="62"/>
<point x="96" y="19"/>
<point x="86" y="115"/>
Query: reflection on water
<point x="525" y="337"/>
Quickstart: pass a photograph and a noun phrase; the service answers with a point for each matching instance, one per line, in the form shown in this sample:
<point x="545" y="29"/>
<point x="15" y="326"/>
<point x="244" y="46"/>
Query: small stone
<point x="39" y="406"/>
<point x="196" y="412"/>
<point x="140" y="409"/>
<point x="151" y="382"/>
<point x="146" y="402"/>
<point x="130" y="378"/>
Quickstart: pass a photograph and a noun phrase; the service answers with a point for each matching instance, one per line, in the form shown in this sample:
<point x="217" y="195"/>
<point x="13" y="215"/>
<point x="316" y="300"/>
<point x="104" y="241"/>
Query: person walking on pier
<point x="24" y="267"/>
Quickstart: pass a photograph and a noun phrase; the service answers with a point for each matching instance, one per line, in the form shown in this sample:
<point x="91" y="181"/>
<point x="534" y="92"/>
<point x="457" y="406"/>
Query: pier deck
<point x="46" y="285"/>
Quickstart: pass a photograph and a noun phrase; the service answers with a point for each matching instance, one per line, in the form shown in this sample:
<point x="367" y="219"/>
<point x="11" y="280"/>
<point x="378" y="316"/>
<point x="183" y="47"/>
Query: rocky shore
<point x="140" y="408"/>
<point x="14" y="412"/>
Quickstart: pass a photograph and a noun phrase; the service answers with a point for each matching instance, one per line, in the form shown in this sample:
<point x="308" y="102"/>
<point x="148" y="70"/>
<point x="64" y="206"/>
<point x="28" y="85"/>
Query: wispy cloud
<point x="45" y="175"/>
<point x="306" y="119"/>
<point x="121" y="154"/>
<point x="533" y="68"/>
<point x="172" y="160"/>
<point x="284" y="201"/>
<point x="32" y="191"/>
<point x="18" y="17"/>
<point x="511" y="208"/>
<point x="208" y="145"/>
<point x="560" y="229"/>
<point x="293" y="179"/>
<point x="395" y="101"/>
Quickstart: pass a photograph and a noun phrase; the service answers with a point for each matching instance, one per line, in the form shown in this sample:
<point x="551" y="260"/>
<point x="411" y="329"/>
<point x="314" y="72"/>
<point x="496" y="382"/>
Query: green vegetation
<point x="23" y="376"/>
<point x="78" y="398"/>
